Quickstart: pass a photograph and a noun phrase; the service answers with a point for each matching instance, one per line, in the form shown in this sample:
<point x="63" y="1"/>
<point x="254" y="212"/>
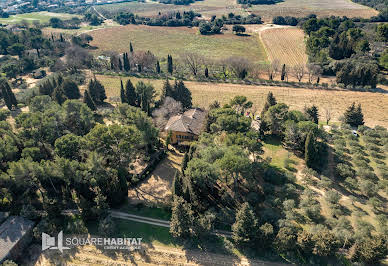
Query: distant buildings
<point x="186" y="127"/>
<point x="15" y="235"/>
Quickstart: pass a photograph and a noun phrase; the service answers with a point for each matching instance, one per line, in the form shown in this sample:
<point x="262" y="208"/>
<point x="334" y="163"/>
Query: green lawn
<point x="280" y="157"/>
<point x="42" y="17"/>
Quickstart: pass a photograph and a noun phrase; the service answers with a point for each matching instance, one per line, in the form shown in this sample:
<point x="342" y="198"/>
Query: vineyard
<point x="285" y="44"/>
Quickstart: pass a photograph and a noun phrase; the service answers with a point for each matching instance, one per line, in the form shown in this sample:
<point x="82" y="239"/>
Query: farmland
<point x="336" y="100"/>
<point x="175" y="41"/>
<point x="42" y="17"/>
<point x="285" y="44"/>
<point x="218" y="7"/>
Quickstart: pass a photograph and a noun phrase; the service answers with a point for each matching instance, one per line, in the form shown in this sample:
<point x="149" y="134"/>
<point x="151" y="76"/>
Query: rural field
<point x="207" y="8"/>
<point x="335" y="100"/>
<point x="175" y="41"/>
<point x="285" y="44"/>
<point x="42" y="17"/>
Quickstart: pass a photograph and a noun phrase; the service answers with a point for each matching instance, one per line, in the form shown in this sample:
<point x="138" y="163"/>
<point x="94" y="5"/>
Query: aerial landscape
<point x="193" y="132"/>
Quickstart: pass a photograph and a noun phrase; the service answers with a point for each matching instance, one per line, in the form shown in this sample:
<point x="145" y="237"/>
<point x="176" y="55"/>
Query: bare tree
<point x="223" y="64"/>
<point x="313" y="71"/>
<point x="276" y="67"/>
<point x="298" y="71"/>
<point x="327" y="115"/>
<point x="77" y="58"/>
<point x="169" y="108"/>
<point x="145" y="59"/>
<point x="193" y="61"/>
<point x="240" y="66"/>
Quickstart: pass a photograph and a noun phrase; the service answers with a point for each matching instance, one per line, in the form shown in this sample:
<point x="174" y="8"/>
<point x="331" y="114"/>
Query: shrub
<point x="367" y="188"/>
<point x="366" y="174"/>
<point x="4" y="113"/>
<point x="344" y="171"/>
<point x="332" y="197"/>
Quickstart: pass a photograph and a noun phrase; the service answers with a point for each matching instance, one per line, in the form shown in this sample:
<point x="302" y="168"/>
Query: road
<point x="157" y="222"/>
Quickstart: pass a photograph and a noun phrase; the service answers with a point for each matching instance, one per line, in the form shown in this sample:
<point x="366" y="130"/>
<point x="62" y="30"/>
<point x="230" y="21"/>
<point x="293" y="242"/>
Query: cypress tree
<point x="177" y="185"/>
<point x="312" y="113"/>
<point x="130" y="93"/>
<point x="354" y="116"/>
<point x="7" y="100"/>
<point x="122" y="93"/>
<point x="130" y="47"/>
<point x="100" y="91"/>
<point x="283" y="75"/>
<point x="271" y="101"/>
<point x="185" y="162"/>
<point x="157" y="67"/>
<point x="125" y="67"/>
<point x="183" y="94"/>
<point x="138" y="68"/>
<point x="120" y="65"/>
<point x="89" y="101"/>
<point x="170" y="66"/>
<point x="167" y="90"/>
<point x="59" y="95"/>
<point x="206" y="72"/>
<point x="309" y="154"/>
<point x="181" y="218"/>
<point x="71" y="90"/>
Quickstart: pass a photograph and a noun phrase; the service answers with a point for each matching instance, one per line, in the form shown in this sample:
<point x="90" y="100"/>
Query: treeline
<point x="341" y="48"/>
<point x="376" y="4"/>
<point x="59" y="157"/>
<point x="177" y="2"/>
<point x="258" y="2"/>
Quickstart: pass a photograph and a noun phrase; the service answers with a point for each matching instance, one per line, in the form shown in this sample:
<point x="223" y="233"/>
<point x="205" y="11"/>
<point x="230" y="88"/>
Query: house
<point x="186" y="127"/>
<point x="15" y="235"/>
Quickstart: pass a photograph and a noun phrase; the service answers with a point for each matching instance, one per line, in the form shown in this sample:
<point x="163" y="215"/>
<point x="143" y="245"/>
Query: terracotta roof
<point x="190" y="121"/>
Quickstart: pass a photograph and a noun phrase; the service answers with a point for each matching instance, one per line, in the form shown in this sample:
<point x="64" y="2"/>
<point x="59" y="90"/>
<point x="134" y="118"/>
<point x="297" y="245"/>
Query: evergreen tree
<point x="71" y="90"/>
<point x="182" y="94"/>
<point x="271" y="101"/>
<point x="312" y="113"/>
<point x="354" y="116"/>
<point x="89" y="101"/>
<point x="59" y="95"/>
<point x="170" y="66"/>
<point x="283" y="75"/>
<point x="130" y="93"/>
<point x="130" y="47"/>
<point x="139" y="68"/>
<point x="7" y="94"/>
<point x="185" y="162"/>
<point x="177" y="185"/>
<point x="206" y="72"/>
<point x="309" y="154"/>
<point x="181" y="218"/>
<point x="123" y="97"/>
<point x="120" y="65"/>
<point x="169" y="138"/>
<point x="167" y="90"/>
<point x="157" y="67"/>
<point x="97" y="91"/>
<point x="245" y="227"/>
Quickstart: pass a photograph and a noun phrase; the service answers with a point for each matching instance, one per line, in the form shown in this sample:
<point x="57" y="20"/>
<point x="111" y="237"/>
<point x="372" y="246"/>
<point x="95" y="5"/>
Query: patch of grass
<point x="150" y="234"/>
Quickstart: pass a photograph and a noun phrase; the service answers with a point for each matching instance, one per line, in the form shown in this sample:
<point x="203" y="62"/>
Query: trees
<point x="353" y="115"/>
<point x="130" y="94"/>
<point x="244" y="229"/>
<point x="312" y="113"/>
<point x="240" y="104"/>
<point x="299" y="71"/>
<point x="238" y="29"/>
<point x="371" y="250"/>
<point x="70" y="89"/>
<point x="146" y="96"/>
<point x="170" y="66"/>
<point x="270" y="101"/>
<point x="193" y="61"/>
<point x="382" y="32"/>
<point x="96" y="91"/>
<point x="182" y="94"/>
<point x="275" y="118"/>
<point x="8" y="95"/>
<point x="89" y="101"/>
<point x="169" y="108"/>
<point x="240" y="66"/>
<point x="181" y="218"/>
<point x="310" y="150"/>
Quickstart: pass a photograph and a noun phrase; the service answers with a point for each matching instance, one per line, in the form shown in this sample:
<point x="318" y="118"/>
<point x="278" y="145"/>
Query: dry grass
<point x="375" y="105"/>
<point x="285" y="44"/>
<point x="175" y="41"/>
<point x="157" y="188"/>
